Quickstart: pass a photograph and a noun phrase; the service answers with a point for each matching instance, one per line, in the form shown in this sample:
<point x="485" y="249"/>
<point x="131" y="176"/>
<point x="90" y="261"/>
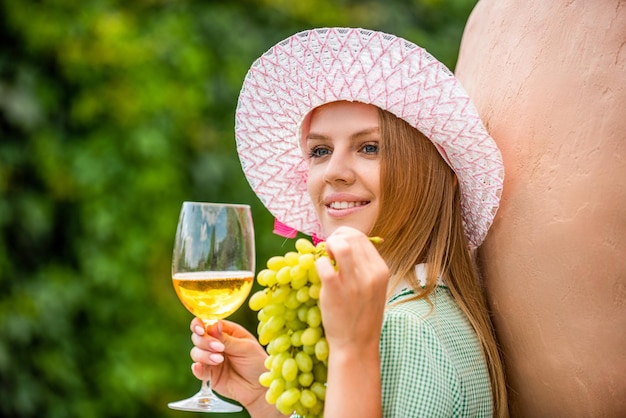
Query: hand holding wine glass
<point x="212" y="271"/>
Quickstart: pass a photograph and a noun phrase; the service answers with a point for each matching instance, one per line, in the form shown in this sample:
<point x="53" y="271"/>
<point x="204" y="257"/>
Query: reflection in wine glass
<point x="212" y="272"/>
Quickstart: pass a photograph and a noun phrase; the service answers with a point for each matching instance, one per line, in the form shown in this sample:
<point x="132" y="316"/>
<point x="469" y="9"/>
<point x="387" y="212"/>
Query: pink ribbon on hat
<point x="284" y="230"/>
<point x="288" y="232"/>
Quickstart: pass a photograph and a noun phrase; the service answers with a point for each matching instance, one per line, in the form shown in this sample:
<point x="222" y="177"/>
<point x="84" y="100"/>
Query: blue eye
<point x="370" y="148"/>
<point x="317" y="152"/>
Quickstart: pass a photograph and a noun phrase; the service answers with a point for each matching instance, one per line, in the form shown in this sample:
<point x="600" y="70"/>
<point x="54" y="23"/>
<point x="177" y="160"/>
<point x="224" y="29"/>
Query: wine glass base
<point x="202" y="402"/>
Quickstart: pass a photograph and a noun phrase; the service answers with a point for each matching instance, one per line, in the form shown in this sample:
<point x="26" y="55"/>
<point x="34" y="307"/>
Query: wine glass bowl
<point x="212" y="272"/>
<point x="214" y="295"/>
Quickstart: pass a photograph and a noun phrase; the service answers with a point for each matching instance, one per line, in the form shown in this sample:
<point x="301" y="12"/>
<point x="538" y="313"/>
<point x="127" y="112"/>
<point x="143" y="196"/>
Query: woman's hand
<point x="233" y="360"/>
<point x="352" y="301"/>
<point x="352" y="298"/>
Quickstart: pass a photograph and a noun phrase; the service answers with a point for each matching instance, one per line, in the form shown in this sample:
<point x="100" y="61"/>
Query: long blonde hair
<point x="418" y="185"/>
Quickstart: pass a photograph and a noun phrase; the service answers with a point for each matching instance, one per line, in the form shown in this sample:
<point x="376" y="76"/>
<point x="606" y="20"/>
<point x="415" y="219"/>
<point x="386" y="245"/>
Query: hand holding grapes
<point x="291" y="324"/>
<point x="352" y="301"/>
<point x="352" y="297"/>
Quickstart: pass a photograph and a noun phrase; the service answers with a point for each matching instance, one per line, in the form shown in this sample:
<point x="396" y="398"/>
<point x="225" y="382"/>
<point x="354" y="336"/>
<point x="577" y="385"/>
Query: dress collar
<point x="421" y="271"/>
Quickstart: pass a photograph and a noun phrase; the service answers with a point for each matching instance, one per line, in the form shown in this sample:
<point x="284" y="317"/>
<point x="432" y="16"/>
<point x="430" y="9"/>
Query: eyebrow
<point x="364" y="132"/>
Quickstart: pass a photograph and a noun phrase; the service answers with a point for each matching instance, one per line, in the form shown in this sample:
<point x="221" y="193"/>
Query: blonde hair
<point x="418" y="185"/>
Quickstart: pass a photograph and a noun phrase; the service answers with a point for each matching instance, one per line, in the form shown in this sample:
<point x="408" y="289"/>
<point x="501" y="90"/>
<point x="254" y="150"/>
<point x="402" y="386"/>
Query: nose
<point x="339" y="169"/>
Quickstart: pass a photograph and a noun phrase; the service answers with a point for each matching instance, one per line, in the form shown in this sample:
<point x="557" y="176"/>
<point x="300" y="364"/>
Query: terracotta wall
<point x="549" y="78"/>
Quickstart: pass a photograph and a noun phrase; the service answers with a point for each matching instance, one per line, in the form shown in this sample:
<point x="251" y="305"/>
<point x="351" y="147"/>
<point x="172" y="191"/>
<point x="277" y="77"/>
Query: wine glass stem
<point x="205" y="389"/>
<point x="204" y="398"/>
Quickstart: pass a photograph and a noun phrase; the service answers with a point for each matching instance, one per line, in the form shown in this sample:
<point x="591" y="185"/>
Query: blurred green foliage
<point x="112" y="113"/>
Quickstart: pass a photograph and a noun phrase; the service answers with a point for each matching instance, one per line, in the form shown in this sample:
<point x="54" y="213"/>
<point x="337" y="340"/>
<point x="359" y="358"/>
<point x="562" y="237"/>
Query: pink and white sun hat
<point x="324" y="65"/>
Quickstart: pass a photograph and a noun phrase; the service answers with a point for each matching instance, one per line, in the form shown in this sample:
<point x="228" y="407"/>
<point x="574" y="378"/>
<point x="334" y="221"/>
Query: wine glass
<point x="212" y="272"/>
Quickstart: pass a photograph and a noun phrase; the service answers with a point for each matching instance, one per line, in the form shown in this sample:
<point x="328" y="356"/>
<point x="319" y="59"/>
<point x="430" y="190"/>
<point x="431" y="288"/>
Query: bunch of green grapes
<point x="290" y="326"/>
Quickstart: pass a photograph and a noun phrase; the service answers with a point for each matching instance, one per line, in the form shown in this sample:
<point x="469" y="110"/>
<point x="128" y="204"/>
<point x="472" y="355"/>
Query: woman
<point x="349" y="133"/>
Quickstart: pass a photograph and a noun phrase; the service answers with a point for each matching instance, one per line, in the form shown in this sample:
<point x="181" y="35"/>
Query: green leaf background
<point x="111" y="114"/>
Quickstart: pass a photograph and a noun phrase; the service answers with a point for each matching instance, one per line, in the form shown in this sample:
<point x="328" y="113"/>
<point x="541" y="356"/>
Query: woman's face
<point x="342" y="147"/>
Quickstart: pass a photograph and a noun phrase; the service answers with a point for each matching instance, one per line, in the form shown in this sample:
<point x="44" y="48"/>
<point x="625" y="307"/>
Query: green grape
<point x="290" y="315"/>
<point x="314" y="290"/>
<point x="275" y="324"/>
<point x="258" y="300"/>
<point x="292" y="301"/>
<point x="316" y="410"/>
<point x="314" y="317"/>
<point x="291" y="258"/>
<point x="263" y="316"/>
<point x="320" y="372"/>
<point x="268" y="361"/>
<point x="287" y="400"/>
<point x="304" y="246"/>
<point x="262" y="279"/>
<point x="283" y="407"/>
<point x="311" y="335"/>
<point x="305" y="379"/>
<point x="274" y="309"/>
<point x="299" y="274"/>
<point x="280" y="294"/>
<point x="306" y="261"/>
<point x="304" y="362"/>
<point x="319" y="390"/>
<point x="302" y="295"/>
<point x="276" y="263"/>
<point x="296" y="338"/>
<point x="302" y="313"/>
<point x="291" y="328"/>
<point x="301" y="410"/>
<point x="266" y="379"/>
<point x="299" y="277"/>
<point x="279" y="344"/>
<point x="277" y="387"/>
<point x="308" y="398"/>
<point x="321" y="349"/>
<point x="295" y="325"/>
<point x="291" y="384"/>
<point x="280" y="358"/>
<point x="270" y="329"/>
<point x="314" y="278"/>
<point x="291" y="396"/>
<point x="264" y="335"/>
<point x="283" y="276"/>
<point x="309" y="349"/>
<point x="290" y="370"/>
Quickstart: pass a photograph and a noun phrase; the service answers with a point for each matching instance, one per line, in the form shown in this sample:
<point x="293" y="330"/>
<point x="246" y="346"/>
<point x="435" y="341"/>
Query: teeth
<point x="345" y="205"/>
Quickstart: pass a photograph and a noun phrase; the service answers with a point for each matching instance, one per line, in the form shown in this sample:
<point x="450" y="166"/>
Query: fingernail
<point x="216" y="345"/>
<point x="199" y="330"/>
<point x="194" y="366"/>
<point x="216" y="358"/>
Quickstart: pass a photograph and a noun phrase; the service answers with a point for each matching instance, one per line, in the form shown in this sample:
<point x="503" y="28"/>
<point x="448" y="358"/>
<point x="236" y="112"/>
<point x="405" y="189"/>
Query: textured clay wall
<point x="549" y="79"/>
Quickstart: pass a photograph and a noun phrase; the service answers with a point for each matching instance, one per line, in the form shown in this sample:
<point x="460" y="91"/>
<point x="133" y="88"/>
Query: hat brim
<point x="324" y="65"/>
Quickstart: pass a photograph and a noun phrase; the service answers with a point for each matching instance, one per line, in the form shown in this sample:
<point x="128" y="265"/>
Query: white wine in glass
<point x="212" y="272"/>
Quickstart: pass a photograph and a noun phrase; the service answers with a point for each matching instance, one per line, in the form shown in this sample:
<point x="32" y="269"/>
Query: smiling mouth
<point x="346" y="205"/>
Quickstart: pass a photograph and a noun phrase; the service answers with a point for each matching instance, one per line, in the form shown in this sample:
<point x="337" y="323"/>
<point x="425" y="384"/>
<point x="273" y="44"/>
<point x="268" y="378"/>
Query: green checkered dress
<point x="431" y="361"/>
<point x="432" y="364"/>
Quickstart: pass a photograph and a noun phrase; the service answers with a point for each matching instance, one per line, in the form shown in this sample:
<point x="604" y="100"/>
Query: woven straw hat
<point x="319" y="66"/>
